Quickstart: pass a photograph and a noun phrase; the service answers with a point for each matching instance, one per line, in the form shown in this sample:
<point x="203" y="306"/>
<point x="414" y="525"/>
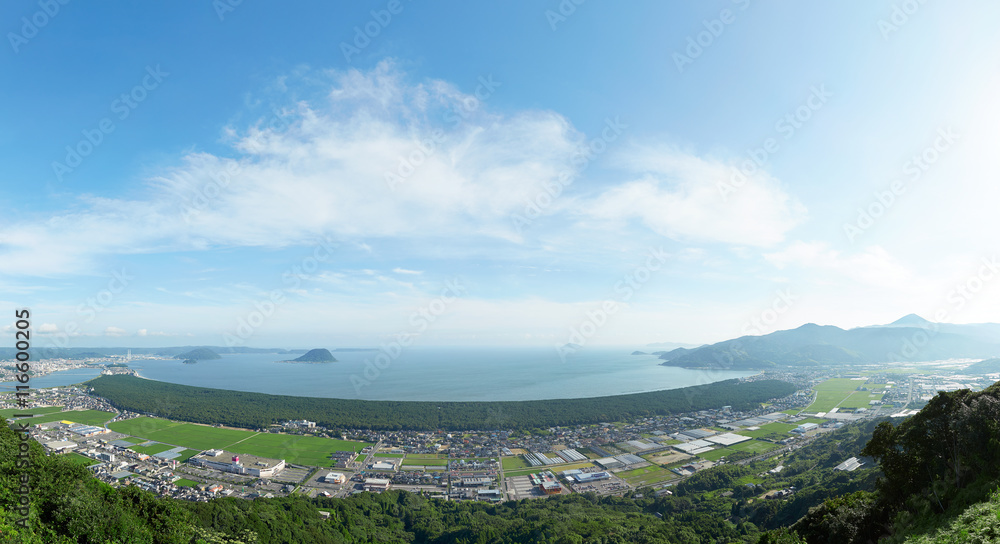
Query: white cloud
<point x="115" y="331"/>
<point x="322" y="170"/>
<point x="873" y="266"/>
<point x="48" y="328"/>
<point x="678" y="195"/>
<point x="405" y="271"/>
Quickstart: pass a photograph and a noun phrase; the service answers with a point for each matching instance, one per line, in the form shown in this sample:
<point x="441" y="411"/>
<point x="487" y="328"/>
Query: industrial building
<point x="84" y="430"/>
<point x="727" y="439"/>
<point x="376" y="485"/>
<point x="609" y="463"/>
<point x="587" y="477"/>
<point x="540" y="459"/>
<point x="250" y="465"/>
<point x="551" y="488"/>
<point x="334" y="478"/>
<point x="805" y="427"/>
<point x="695" y="447"/>
<point x="571" y="455"/>
<point x="60" y="445"/>
<point x="492" y="495"/>
<point x="477" y="482"/>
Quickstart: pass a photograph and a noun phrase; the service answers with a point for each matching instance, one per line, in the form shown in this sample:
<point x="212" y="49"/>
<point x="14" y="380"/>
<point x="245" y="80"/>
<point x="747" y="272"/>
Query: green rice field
<point x="646" y="476"/>
<point x="511" y="463"/>
<point x="770" y="428"/>
<point x="86" y="417"/>
<point x="842" y="392"/>
<point x="296" y="449"/>
<point x="79" y="459"/>
<point x="8" y="412"/>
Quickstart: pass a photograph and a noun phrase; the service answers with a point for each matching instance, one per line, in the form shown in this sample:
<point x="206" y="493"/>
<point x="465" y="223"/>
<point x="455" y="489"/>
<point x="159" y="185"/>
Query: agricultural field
<point x="7" y="412"/>
<point x="389" y="455"/>
<point x="79" y="459"/>
<point x="715" y="455"/>
<point x="423" y="456"/>
<point x="832" y="392"/>
<point x="770" y="428"/>
<point x="87" y="417"/>
<point x="646" y="476"/>
<point x="752" y="446"/>
<point x="666" y="457"/>
<point x="184" y="482"/>
<point x="407" y="462"/>
<point x="510" y="463"/>
<point x="859" y="400"/>
<point x="141" y="426"/>
<point x="555" y="470"/>
<point x="296" y="449"/>
<point x="152" y="449"/>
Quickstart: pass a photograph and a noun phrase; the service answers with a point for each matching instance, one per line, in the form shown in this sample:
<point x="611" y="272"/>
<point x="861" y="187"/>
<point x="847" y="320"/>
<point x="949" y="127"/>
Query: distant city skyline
<point x="495" y="175"/>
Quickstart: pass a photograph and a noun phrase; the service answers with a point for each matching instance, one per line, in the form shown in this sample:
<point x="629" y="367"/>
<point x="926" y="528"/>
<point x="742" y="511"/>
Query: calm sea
<point x="434" y="374"/>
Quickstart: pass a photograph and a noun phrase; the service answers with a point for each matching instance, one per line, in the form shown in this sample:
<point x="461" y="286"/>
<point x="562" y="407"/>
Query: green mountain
<point x="940" y="475"/>
<point x="320" y="355"/>
<point x="988" y="366"/>
<point x="199" y="354"/>
<point x="815" y="345"/>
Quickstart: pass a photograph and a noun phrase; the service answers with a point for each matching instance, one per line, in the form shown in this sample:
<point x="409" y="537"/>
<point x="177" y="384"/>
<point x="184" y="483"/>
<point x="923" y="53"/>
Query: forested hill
<point x="941" y="472"/>
<point x="258" y="410"/>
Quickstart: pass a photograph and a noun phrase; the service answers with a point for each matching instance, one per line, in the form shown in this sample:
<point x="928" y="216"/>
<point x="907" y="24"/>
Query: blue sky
<point x="541" y="173"/>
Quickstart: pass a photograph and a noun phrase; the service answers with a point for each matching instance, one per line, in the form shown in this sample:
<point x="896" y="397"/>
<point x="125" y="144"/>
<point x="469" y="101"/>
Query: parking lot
<point x="519" y="487"/>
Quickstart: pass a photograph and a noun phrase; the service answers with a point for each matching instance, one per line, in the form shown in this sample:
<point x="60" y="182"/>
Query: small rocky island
<point x="320" y="355"/>
<point x="189" y="361"/>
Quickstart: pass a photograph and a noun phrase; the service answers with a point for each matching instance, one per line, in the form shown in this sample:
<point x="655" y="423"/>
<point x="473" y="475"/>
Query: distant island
<point x="319" y="355"/>
<point x="199" y="354"/>
<point x="637" y="352"/>
<point x="190" y="361"/>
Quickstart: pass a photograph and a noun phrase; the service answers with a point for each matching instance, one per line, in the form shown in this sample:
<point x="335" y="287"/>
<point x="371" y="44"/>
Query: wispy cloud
<point x="677" y="196"/>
